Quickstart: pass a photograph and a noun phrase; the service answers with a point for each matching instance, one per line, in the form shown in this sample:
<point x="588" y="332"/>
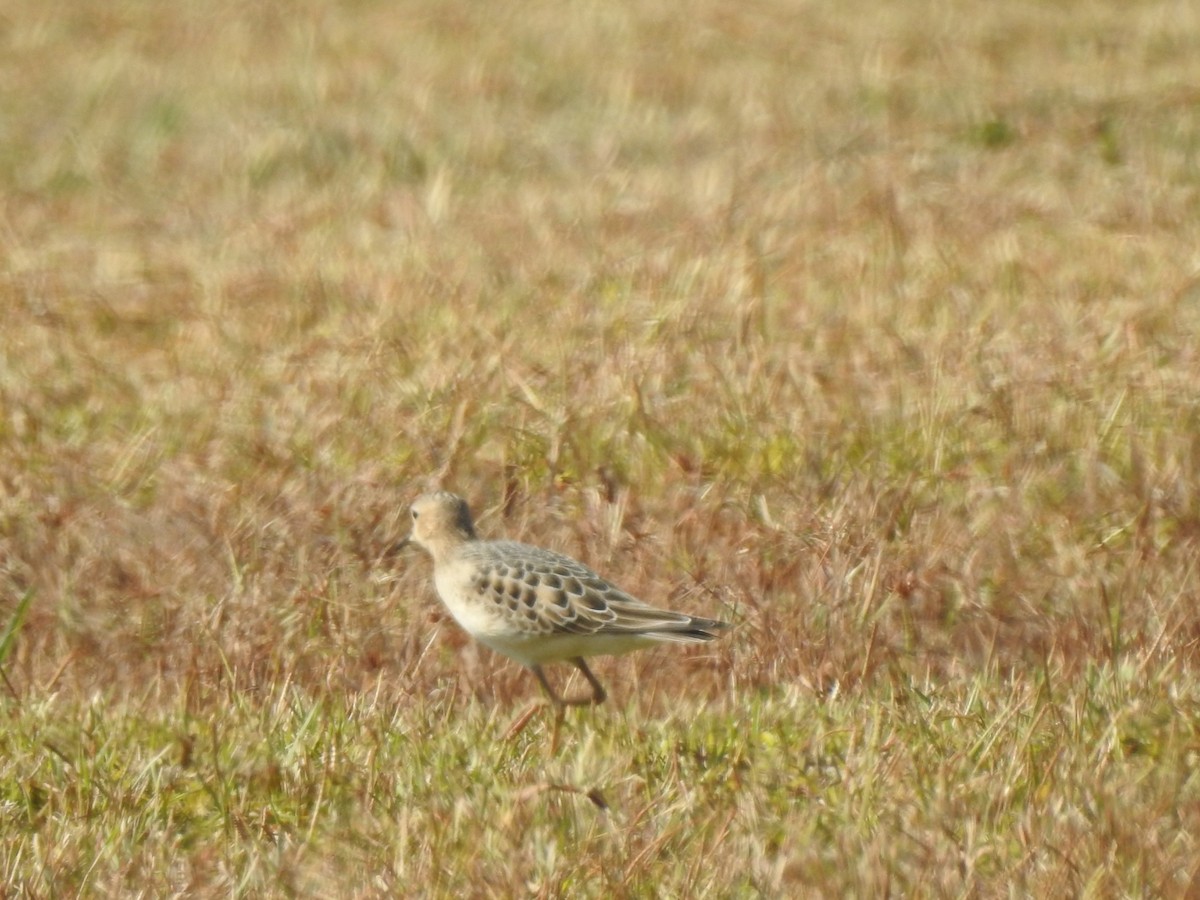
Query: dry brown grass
<point x="873" y="329"/>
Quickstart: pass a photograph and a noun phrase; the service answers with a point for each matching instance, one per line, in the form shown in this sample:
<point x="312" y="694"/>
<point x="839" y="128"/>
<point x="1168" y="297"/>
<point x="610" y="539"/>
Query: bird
<point x="538" y="606"/>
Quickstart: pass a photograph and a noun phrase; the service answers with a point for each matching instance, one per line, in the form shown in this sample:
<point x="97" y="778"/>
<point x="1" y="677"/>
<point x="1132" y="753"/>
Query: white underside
<point x="544" y="648"/>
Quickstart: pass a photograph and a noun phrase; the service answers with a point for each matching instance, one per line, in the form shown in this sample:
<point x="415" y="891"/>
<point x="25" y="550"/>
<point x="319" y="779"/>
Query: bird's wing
<point x="558" y="595"/>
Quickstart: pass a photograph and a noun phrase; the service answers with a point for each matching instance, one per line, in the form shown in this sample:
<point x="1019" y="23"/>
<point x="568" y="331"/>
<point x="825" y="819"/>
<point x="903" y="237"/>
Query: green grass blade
<point x="14" y="625"/>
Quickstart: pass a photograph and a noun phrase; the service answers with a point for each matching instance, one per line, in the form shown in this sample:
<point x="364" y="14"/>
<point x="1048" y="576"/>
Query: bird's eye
<point x="414" y="512"/>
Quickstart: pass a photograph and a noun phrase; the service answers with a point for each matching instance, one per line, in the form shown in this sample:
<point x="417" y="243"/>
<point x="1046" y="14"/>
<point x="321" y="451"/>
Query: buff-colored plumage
<point x="538" y="606"/>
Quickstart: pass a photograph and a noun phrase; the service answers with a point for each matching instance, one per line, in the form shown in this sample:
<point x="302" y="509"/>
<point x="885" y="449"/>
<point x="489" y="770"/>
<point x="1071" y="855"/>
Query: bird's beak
<point x="399" y="547"/>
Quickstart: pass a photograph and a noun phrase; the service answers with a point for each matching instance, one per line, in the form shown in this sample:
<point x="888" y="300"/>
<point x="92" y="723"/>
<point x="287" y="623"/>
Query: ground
<point x="869" y="328"/>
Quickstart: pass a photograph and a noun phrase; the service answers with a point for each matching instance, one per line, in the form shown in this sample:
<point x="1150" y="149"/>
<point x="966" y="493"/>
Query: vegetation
<point x="870" y="328"/>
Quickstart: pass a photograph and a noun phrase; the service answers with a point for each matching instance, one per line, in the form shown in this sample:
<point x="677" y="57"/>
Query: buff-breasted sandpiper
<point x="537" y="606"/>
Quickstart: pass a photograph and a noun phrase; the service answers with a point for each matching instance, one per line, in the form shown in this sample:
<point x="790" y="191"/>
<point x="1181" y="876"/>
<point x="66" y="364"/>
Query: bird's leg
<point x="560" y="707"/>
<point x="522" y="720"/>
<point x="598" y="694"/>
<point x="560" y="704"/>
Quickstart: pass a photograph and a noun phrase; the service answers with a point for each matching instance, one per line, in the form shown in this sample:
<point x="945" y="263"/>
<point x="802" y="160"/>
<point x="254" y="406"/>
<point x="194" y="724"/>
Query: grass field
<point x="871" y="328"/>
